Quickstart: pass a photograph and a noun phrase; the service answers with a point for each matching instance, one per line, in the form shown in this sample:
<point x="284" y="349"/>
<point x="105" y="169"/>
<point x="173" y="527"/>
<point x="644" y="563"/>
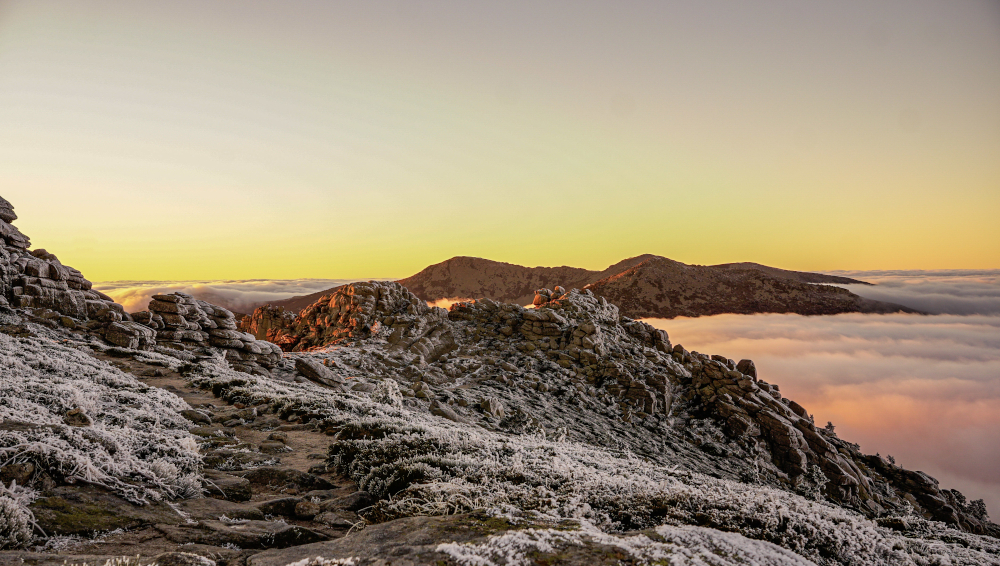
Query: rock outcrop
<point x="265" y="320"/>
<point x="362" y="310"/>
<point x="186" y="324"/>
<point x="38" y="282"/>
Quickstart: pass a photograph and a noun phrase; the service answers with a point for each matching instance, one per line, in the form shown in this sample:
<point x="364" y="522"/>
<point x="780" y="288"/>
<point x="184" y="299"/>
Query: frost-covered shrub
<point x="15" y="523"/>
<point x="136" y="443"/>
<point x="811" y="485"/>
<point x="387" y="392"/>
<point x="420" y="464"/>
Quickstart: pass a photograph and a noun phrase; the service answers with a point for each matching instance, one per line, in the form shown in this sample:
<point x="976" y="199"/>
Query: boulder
<point x="221" y="485"/>
<point x="130" y="335"/>
<point x="315" y="371"/>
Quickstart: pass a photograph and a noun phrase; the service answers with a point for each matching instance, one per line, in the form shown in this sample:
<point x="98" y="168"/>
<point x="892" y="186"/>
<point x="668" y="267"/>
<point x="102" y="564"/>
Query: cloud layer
<point x="925" y="389"/>
<point x="935" y="292"/>
<point x="236" y="295"/>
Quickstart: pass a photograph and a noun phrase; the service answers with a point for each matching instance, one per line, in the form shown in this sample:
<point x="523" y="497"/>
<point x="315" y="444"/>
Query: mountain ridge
<point x="646" y="285"/>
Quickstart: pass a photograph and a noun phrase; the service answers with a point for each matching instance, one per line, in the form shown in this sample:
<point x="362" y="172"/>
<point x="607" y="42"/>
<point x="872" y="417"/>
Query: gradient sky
<point x="187" y="140"/>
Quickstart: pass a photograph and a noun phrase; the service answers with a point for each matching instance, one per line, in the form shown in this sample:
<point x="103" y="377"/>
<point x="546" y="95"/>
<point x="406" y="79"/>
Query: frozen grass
<point x="676" y="546"/>
<point x="136" y="445"/>
<point x="320" y="561"/>
<point x="15" y="519"/>
<point x="419" y="464"/>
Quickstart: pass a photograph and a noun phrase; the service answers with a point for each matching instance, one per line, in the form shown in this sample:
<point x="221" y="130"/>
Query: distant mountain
<point x="662" y="288"/>
<point x="653" y="286"/>
<point x="803" y="276"/>
<point x="643" y="286"/>
<point x="472" y="277"/>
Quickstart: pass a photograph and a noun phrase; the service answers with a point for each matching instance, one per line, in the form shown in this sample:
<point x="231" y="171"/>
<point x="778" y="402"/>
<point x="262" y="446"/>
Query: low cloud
<point x="236" y="295"/>
<point x="935" y="292"/>
<point x="924" y="389"/>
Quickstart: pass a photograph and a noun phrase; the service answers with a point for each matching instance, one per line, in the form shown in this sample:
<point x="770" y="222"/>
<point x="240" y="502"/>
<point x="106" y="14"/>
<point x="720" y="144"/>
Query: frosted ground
<point x="137" y="445"/>
<point x="452" y="467"/>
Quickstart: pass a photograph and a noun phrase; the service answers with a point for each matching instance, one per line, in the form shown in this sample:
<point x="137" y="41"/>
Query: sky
<point x="923" y="389"/>
<point x="213" y="140"/>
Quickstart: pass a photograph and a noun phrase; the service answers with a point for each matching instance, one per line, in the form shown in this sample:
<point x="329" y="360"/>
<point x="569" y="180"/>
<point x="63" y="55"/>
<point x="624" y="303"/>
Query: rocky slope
<point x="398" y="433"/>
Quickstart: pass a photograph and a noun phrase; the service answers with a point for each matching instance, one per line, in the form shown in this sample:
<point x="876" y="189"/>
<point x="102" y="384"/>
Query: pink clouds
<point x="925" y="389"/>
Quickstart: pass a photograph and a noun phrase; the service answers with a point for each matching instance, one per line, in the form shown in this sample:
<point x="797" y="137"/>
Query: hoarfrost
<point x="136" y="443"/>
<point x="418" y="464"/>
<point x="677" y="546"/>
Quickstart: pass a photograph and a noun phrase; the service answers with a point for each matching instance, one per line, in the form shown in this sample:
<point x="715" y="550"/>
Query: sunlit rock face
<point x="265" y="321"/>
<point x="37" y="281"/>
<point x="575" y="354"/>
<point x="358" y="311"/>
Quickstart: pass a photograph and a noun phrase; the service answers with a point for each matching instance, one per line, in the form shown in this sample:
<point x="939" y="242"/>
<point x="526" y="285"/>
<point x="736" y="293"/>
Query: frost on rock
<point x="418" y="464"/>
<point x="677" y="546"/>
<point x="77" y="418"/>
<point x="320" y="561"/>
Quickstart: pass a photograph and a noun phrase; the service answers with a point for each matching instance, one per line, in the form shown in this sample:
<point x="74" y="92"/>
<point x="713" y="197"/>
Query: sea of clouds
<point x="924" y="389"/>
<point x="236" y="295"/>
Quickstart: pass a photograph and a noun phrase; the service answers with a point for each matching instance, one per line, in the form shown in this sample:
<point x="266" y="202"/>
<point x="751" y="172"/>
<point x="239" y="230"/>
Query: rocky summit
<point x="374" y="429"/>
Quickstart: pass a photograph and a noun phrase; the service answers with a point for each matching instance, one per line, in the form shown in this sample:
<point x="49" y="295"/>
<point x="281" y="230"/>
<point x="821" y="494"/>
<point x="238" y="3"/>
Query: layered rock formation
<point x="37" y="281"/>
<point x="186" y="324"/>
<point x="38" y="284"/>
<point x="710" y="413"/>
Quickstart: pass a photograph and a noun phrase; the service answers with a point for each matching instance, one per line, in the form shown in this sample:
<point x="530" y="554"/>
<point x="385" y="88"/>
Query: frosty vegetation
<point x="418" y="464"/>
<point x="135" y="444"/>
<point x="677" y="546"/>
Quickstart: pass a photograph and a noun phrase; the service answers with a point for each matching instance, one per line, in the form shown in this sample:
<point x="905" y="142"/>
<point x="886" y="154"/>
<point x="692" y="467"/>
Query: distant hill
<point x="295" y="304"/>
<point x="662" y="288"/>
<point x="472" y="277"/>
<point x="653" y="286"/>
<point x="643" y="286"/>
